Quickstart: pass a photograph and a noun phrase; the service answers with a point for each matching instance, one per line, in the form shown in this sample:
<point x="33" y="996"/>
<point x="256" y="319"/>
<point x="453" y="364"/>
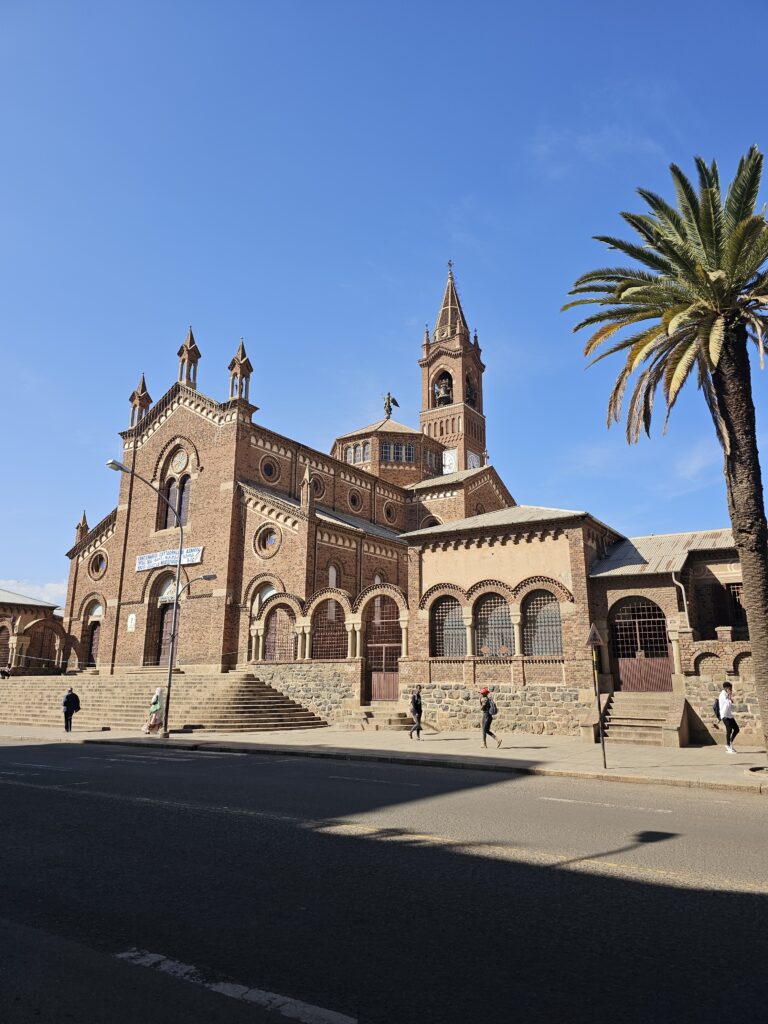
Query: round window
<point x="269" y="469"/>
<point x="98" y="565"/>
<point x="267" y="541"/>
<point x="390" y="512"/>
<point x="355" y="501"/>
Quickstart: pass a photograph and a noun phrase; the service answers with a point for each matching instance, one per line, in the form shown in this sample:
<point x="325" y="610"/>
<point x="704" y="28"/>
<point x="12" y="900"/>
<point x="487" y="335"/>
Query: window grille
<point x="409" y="453"/>
<point x="5" y="647"/>
<point x="172" y="494"/>
<point x="737" y="615"/>
<point x="639" y="628"/>
<point x="367" y="452"/>
<point x="279" y="635"/>
<point x="183" y="507"/>
<point x="329" y="634"/>
<point x="542" y="629"/>
<point x="447" y="635"/>
<point x="493" y="628"/>
<point x="398" y="453"/>
<point x="386" y="449"/>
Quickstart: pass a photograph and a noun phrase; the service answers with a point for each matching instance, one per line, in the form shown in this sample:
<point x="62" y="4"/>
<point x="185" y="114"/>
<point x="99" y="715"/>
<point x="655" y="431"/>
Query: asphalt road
<point x="154" y="886"/>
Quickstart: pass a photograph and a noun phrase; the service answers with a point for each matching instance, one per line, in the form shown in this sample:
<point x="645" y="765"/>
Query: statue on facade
<point x="389" y="401"/>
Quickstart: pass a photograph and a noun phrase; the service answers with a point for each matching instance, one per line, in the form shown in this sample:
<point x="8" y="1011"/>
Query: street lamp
<point x="119" y="467"/>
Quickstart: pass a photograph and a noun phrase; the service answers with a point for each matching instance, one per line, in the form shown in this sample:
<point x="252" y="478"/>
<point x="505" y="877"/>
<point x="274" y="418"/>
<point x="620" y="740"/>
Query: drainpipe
<point x="685" y="600"/>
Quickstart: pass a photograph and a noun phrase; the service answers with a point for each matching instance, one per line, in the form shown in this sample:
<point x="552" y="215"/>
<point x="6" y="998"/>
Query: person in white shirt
<point x="726" y="717"/>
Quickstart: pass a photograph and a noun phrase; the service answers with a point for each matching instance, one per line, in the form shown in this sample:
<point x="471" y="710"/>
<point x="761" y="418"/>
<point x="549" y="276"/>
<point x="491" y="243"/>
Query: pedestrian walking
<point x="155" y="721"/>
<point x="416" y="713"/>
<point x="489" y="712"/>
<point x="725" y="701"/>
<point x="70" y="706"/>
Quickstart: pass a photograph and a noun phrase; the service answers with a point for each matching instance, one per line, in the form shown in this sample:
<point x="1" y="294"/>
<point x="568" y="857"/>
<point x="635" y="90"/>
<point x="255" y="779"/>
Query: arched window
<point x="447" y="636"/>
<point x="350" y="453"/>
<point x="442" y="389"/>
<point x="386" y="449"/>
<point x="329" y="634"/>
<point x="409" y="453"/>
<point x="429" y="521"/>
<point x="183" y="506"/>
<point x="367" y="451"/>
<point x="542" y="629"/>
<point x="265" y="590"/>
<point x="358" y="453"/>
<point x="398" y="453"/>
<point x="493" y="627"/>
<point x="172" y="497"/>
<point x="333" y="575"/>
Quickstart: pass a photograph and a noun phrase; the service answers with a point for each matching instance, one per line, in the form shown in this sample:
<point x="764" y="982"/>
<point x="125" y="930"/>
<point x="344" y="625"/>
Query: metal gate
<point x="5" y="647"/>
<point x="279" y="635"/>
<point x="383" y="646"/>
<point x="640" y="647"/>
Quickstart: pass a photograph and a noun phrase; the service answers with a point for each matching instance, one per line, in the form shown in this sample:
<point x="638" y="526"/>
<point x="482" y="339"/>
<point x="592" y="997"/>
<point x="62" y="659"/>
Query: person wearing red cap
<point x="489" y="710"/>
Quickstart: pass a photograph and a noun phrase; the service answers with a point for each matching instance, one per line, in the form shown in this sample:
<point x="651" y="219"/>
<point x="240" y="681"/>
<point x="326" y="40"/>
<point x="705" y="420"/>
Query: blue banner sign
<point x="189" y="556"/>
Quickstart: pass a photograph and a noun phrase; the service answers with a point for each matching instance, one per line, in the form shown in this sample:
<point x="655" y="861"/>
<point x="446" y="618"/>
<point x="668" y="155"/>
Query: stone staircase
<point x="636" y="717"/>
<point x="232" y="702"/>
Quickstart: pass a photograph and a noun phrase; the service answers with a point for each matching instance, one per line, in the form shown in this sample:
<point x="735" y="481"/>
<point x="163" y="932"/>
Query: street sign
<point x="594" y="639"/>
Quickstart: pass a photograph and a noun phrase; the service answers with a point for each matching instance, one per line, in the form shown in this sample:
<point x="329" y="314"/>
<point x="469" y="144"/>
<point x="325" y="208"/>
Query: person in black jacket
<point x="70" y="705"/>
<point x="415" y="710"/>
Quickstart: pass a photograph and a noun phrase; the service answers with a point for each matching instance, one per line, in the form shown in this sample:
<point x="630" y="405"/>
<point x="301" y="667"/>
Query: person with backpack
<point x="416" y="713"/>
<point x="723" y="708"/>
<point x="489" y="712"/>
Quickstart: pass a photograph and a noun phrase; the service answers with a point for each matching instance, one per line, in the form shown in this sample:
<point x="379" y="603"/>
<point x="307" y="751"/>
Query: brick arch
<point x="744" y="659"/>
<point x="542" y="583"/>
<point x="707" y="660"/>
<point x="332" y="594"/>
<point x="161" y="570"/>
<point x="256" y="581"/>
<point x="381" y="590"/>
<point x="293" y="602"/>
<point x="444" y="590"/>
<point x="55" y="625"/>
<point x="92" y="596"/>
<point x="167" y="451"/>
<point x="490" y="587"/>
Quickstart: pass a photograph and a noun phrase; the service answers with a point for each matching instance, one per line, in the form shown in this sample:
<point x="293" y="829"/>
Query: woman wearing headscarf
<point x="155" y="720"/>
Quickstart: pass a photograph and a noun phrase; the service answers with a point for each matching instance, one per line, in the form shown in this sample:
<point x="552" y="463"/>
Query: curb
<point x="427" y="761"/>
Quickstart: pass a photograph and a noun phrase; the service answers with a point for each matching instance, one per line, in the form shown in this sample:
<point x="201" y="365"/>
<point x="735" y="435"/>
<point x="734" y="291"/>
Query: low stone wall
<point x="321" y="686"/>
<point x="700" y="692"/>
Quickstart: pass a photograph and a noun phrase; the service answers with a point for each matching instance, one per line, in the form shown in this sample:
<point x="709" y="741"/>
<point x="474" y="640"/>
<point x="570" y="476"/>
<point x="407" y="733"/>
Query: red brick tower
<point x="452" y="386"/>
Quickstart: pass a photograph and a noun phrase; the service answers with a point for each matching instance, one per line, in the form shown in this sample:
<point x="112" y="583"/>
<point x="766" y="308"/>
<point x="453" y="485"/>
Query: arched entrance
<point x="164" y="633"/>
<point x="157" y="650"/>
<point x="383" y="646"/>
<point x="94" y="632"/>
<point x="5" y="647"/>
<point x="329" y="633"/>
<point x="42" y="649"/>
<point x="280" y="635"/>
<point x="640" y="646"/>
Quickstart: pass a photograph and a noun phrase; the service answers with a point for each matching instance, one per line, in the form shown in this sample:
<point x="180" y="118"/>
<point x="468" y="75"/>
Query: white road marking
<point x="22" y="775"/>
<point x="50" y="767"/>
<point x="599" y="803"/>
<point x="380" y="782"/>
<point x="307" y="1013"/>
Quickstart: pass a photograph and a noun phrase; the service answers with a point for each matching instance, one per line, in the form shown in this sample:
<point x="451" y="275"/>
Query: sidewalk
<point x="692" y="767"/>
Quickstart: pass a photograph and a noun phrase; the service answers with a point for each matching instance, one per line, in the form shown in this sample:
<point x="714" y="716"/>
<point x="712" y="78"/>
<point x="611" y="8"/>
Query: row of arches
<point x="492" y="630"/>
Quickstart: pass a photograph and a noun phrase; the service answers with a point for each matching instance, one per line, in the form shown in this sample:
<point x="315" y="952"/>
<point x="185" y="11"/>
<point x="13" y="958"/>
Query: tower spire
<point x="450" y="319"/>
<point x="189" y="356"/>
<point x="140" y="401"/>
<point x="240" y="370"/>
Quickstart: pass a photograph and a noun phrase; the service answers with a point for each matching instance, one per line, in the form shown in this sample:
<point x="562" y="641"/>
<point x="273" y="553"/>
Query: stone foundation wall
<point x="320" y="686"/>
<point x="700" y="692"/>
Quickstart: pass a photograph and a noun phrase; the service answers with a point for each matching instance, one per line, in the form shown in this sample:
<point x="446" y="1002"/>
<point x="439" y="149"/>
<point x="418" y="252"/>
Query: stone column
<point x="18" y="647"/>
<point x="404" y="638"/>
<point x="350" y="640"/>
<point x="299" y="643"/>
<point x="307" y="642"/>
<point x="358" y="639"/>
<point x="260" y="645"/>
<point x="517" y="628"/>
<point x="674" y="639"/>
<point x="470" y="639"/>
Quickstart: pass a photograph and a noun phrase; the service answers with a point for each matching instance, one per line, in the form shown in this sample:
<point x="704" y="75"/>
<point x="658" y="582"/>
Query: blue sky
<point x="299" y="173"/>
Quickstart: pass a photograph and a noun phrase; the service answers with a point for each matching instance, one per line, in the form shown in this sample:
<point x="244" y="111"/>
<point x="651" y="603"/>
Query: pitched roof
<point x="443" y="481"/>
<point x="451" y="314"/>
<point x="8" y="597"/>
<point x="327" y="515"/>
<point x="661" y="553"/>
<point x="518" y="515"/>
<point x="385" y="425"/>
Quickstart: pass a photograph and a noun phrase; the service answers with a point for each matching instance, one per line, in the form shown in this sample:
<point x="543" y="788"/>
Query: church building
<point x="401" y="558"/>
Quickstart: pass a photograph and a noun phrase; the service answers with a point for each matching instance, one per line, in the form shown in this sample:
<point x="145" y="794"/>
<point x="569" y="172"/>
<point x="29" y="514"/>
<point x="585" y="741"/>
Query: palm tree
<point x="694" y="305"/>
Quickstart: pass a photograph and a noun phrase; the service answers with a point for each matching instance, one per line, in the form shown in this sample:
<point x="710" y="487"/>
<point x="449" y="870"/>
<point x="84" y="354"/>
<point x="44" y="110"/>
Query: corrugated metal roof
<point x="8" y="597"/>
<point x="515" y="516"/>
<point x="659" y="554"/>
<point x="444" y="481"/>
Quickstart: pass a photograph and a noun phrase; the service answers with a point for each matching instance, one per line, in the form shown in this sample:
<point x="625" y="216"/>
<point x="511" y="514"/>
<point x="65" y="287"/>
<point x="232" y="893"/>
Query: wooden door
<point x="164" y="634"/>
<point x="94" y="632"/>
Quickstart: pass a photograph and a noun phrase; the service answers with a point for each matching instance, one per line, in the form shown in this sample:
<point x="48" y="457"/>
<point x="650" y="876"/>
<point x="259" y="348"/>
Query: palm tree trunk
<point x="732" y="383"/>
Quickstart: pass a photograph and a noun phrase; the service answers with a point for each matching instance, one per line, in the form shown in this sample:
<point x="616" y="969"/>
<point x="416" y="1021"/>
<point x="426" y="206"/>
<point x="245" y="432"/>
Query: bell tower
<point x="452" y="386"/>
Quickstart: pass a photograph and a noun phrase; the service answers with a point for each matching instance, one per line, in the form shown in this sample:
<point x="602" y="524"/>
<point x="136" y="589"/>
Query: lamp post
<point x="119" y="467"/>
